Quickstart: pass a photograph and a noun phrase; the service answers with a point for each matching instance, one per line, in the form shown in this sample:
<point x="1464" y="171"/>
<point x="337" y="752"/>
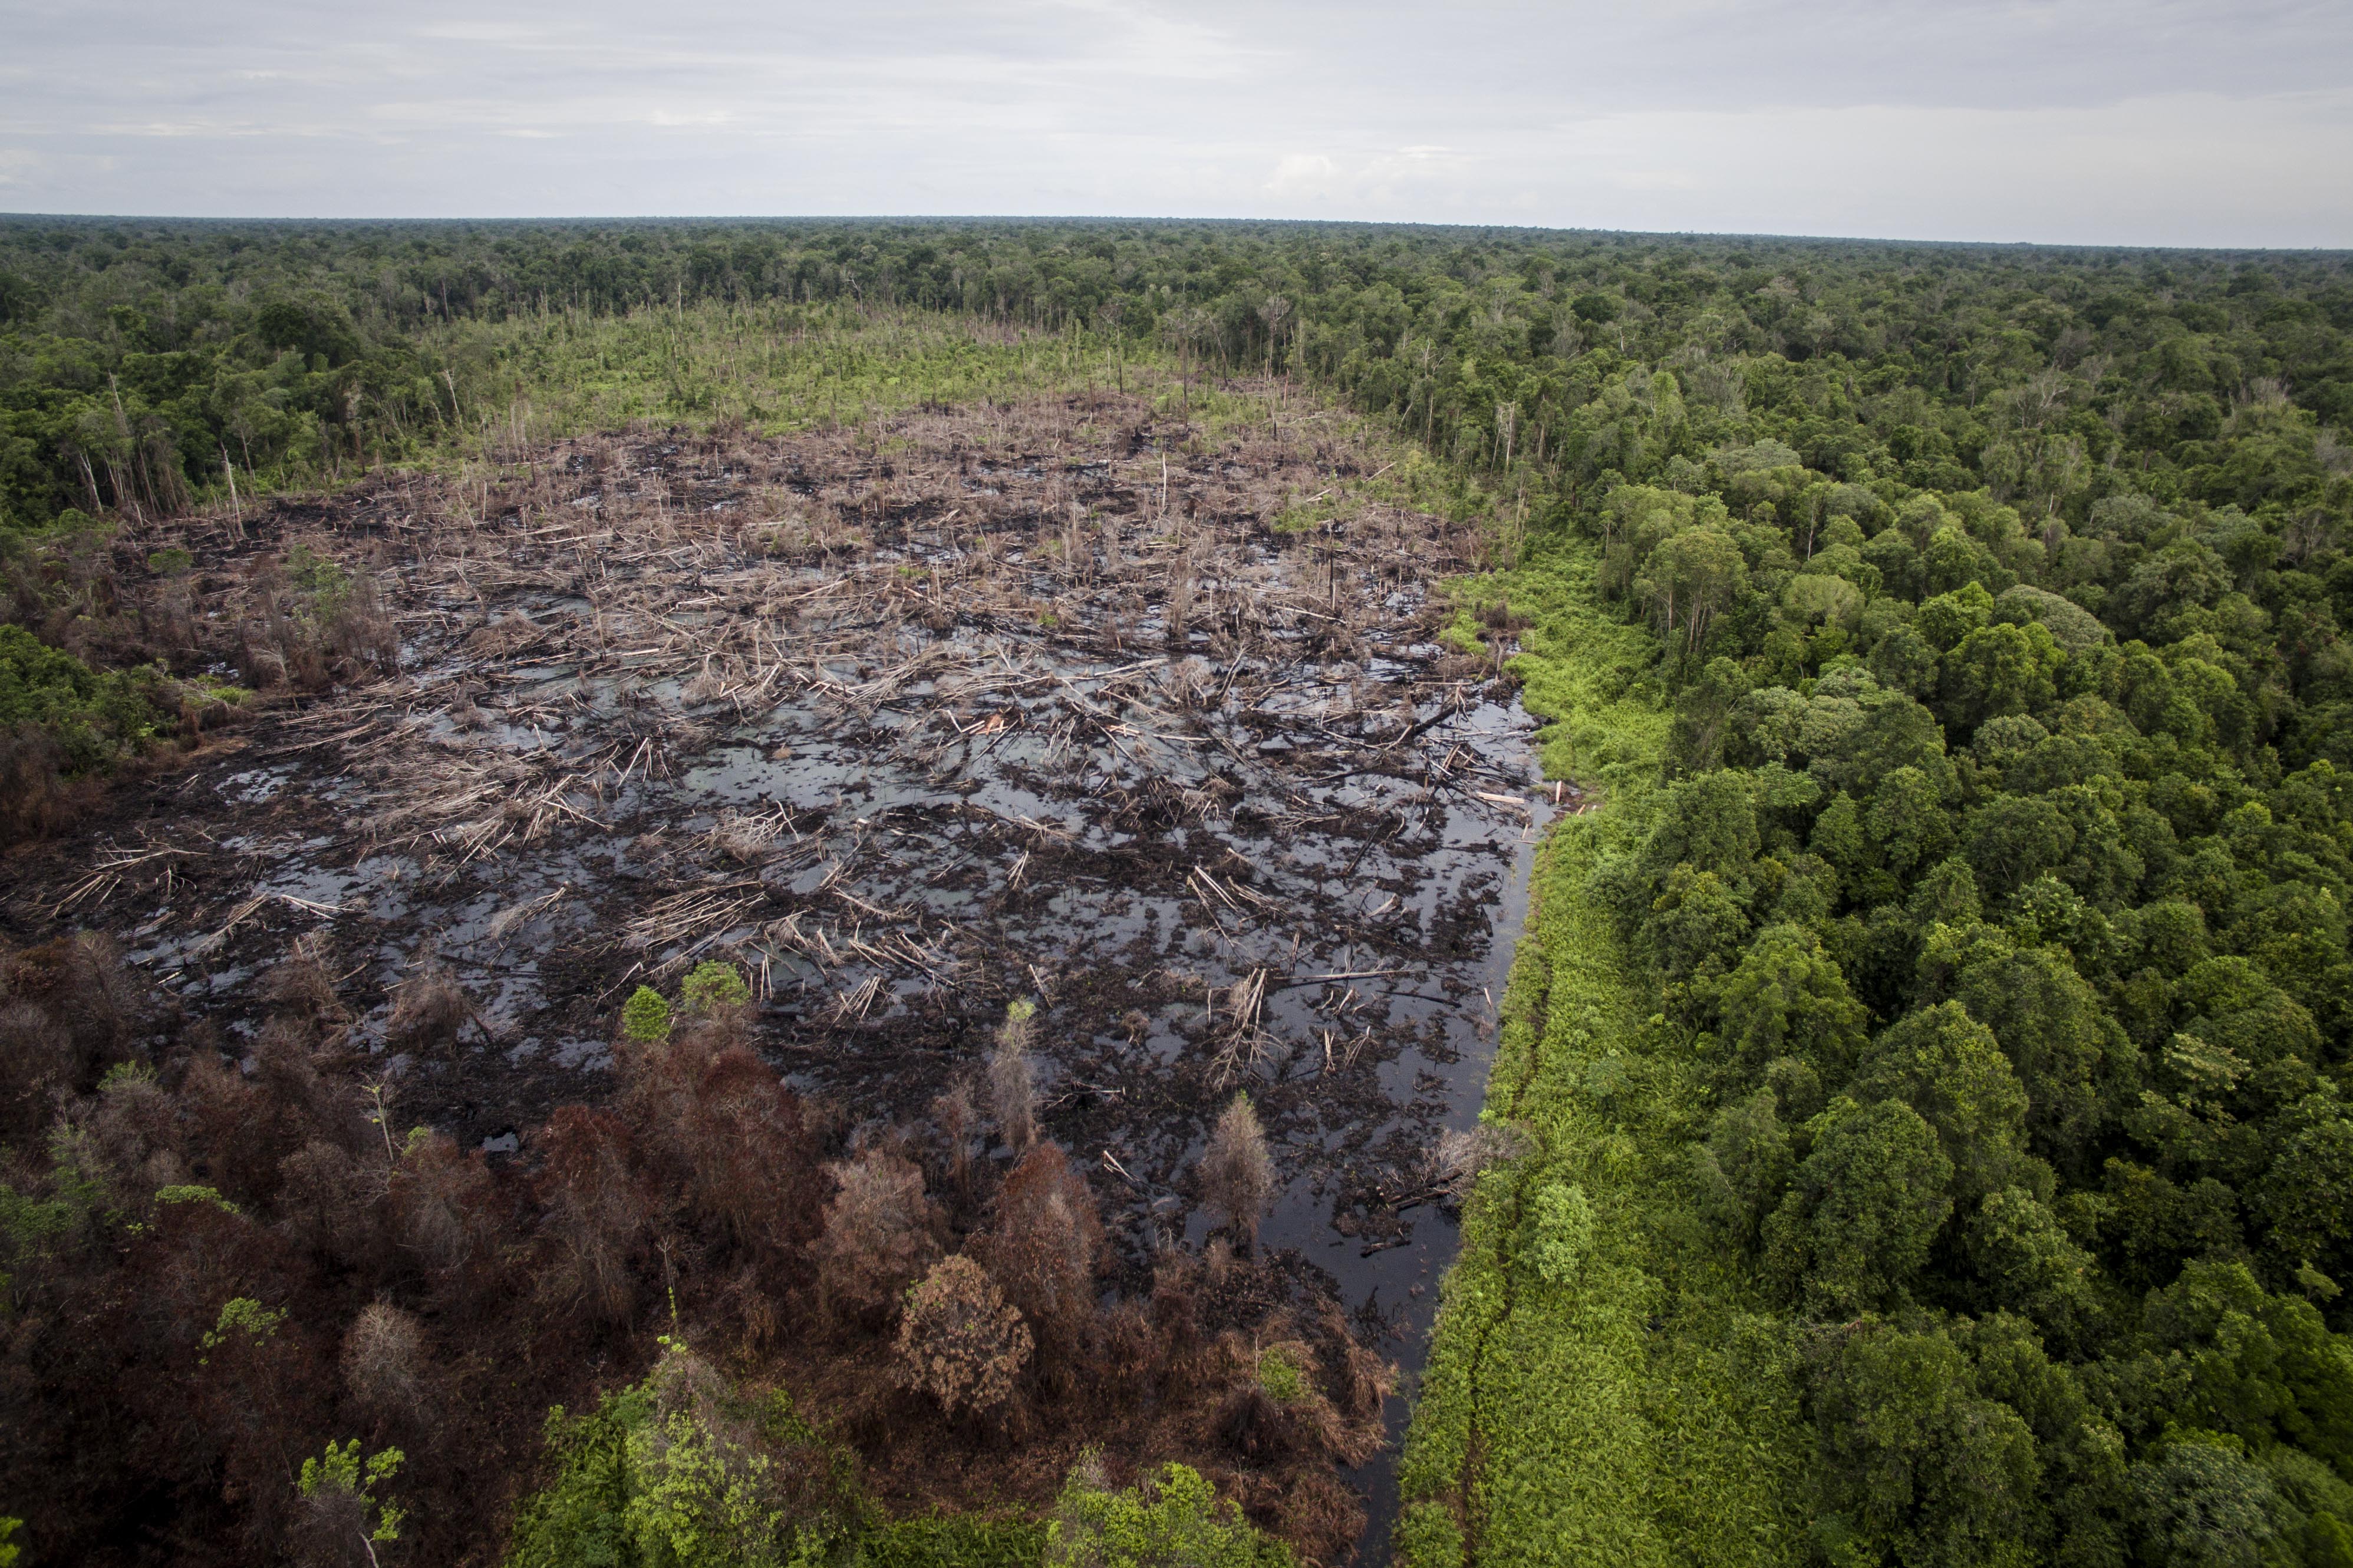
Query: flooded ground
<point x="1054" y="703"/>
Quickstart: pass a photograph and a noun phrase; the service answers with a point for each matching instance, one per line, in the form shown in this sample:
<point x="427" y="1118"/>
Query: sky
<point x="2199" y="122"/>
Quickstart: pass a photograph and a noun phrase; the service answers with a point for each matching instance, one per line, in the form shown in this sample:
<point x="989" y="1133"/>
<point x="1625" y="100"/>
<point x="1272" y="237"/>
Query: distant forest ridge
<point x="143" y="362"/>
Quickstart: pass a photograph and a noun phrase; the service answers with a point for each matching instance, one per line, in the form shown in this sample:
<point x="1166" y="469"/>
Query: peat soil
<point x="1052" y="702"/>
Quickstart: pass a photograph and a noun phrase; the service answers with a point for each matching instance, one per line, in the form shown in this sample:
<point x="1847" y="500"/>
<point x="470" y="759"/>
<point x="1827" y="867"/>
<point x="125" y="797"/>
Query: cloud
<point x="2154" y="122"/>
<point x="1652" y="180"/>
<point x="1302" y="174"/>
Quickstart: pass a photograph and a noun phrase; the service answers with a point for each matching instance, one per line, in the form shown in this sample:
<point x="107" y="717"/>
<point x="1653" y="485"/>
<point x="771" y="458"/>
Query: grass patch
<point x="1598" y="1390"/>
<point x="773" y="368"/>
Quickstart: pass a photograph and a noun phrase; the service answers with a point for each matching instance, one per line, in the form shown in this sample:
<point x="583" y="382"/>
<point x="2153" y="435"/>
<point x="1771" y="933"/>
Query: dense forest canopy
<point x="138" y="357"/>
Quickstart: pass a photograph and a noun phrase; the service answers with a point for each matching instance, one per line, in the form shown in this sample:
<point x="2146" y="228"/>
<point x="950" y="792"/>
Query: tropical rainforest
<point x="1927" y="1064"/>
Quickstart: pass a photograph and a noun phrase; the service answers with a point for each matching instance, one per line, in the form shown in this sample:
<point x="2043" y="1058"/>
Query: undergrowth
<point x="774" y="369"/>
<point x="93" y="716"/>
<point x="1596" y="1390"/>
<point x="685" y="1470"/>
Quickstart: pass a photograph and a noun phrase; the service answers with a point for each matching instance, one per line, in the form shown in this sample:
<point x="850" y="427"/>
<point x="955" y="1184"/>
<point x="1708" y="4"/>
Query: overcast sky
<point x="2180" y="121"/>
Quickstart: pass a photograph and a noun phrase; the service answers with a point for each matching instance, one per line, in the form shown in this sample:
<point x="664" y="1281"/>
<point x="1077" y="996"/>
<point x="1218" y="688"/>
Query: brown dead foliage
<point x="962" y="1345"/>
<point x="1045" y="1250"/>
<point x="327" y="1279"/>
<point x="599" y="1213"/>
<point x="732" y="1138"/>
<point x="35" y="797"/>
<point x="322" y="622"/>
<point x="68" y="1013"/>
<point x="448" y="1220"/>
<point x="880" y="1233"/>
<point x="427" y="1011"/>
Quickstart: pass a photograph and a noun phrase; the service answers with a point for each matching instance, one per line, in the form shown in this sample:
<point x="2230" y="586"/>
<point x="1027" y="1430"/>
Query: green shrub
<point x="1172" y="1519"/>
<point x="645" y="1016"/>
<point x="574" y="1522"/>
<point x="92" y="716"/>
<point x="948" y="1541"/>
<point x="686" y="1471"/>
<point x="323" y="579"/>
<point x="1559" y="1231"/>
<point x="194" y="1194"/>
<point x="712" y="986"/>
<point x="1278" y="1375"/>
<point x="1428" y="1537"/>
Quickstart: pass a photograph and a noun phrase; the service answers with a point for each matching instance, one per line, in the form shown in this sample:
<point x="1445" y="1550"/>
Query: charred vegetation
<point x="213" y="1271"/>
<point x="808" y="899"/>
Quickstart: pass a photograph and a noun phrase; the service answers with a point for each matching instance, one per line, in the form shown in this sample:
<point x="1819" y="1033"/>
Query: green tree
<point x="2263" y="1368"/>
<point x="2026" y="1262"/>
<point x="713" y="987"/>
<point x="1708" y="823"/>
<point x="2307" y="1196"/>
<point x="1947" y="1066"/>
<point x="686" y="1471"/>
<point x="2000" y="669"/>
<point x="2012" y="839"/>
<point x="1704" y="716"/>
<point x="1917" y="1466"/>
<point x="645" y="1016"/>
<point x="1866" y="1206"/>
<point x="2199" y="1505"/>
<point x="1908" y="821"/>
<point x="1745" y="1164"/>
<point x="2051" y="1025"/>
<point x="1689" y="578"/>
<point x="1948" y="618"/>
<point x="1697" y="924"/>
<point x="342" y="1494"/>
<point x="1788" y="997"/>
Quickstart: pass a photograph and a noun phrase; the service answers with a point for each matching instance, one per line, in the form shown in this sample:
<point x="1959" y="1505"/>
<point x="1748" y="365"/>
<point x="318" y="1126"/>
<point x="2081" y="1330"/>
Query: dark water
<point x="1406" y="1277"/>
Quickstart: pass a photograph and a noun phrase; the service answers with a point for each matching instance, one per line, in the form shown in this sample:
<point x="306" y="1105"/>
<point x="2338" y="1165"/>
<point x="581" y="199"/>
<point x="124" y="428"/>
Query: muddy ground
<point x="1061" y="702"/>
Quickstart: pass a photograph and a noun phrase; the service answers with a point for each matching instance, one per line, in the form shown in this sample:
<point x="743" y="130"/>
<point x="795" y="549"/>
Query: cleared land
<point x="1065" y="701"/>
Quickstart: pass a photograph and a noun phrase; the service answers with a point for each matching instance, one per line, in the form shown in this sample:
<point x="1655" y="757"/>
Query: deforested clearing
<point x="774" y="875"/>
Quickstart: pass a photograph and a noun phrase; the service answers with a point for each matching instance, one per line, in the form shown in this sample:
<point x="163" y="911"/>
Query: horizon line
<point x="1726" y="236"/>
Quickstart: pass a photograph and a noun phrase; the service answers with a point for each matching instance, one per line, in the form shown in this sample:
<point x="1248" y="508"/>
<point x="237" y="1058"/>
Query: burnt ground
<point x="1048" y="702"/>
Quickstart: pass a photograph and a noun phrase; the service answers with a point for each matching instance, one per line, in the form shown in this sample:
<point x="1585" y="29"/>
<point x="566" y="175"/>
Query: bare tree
<point x="1012" y="1086"/>
<point x="878" y="1236"/>
<point x="386" y="1365"/>
<point x="428" y="1010"/>
<point x="1461" y="1156"/>
<point x="1272" y="313"/>
<point x="954" y="1114"/>
<point x="1237" y="1175"/>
